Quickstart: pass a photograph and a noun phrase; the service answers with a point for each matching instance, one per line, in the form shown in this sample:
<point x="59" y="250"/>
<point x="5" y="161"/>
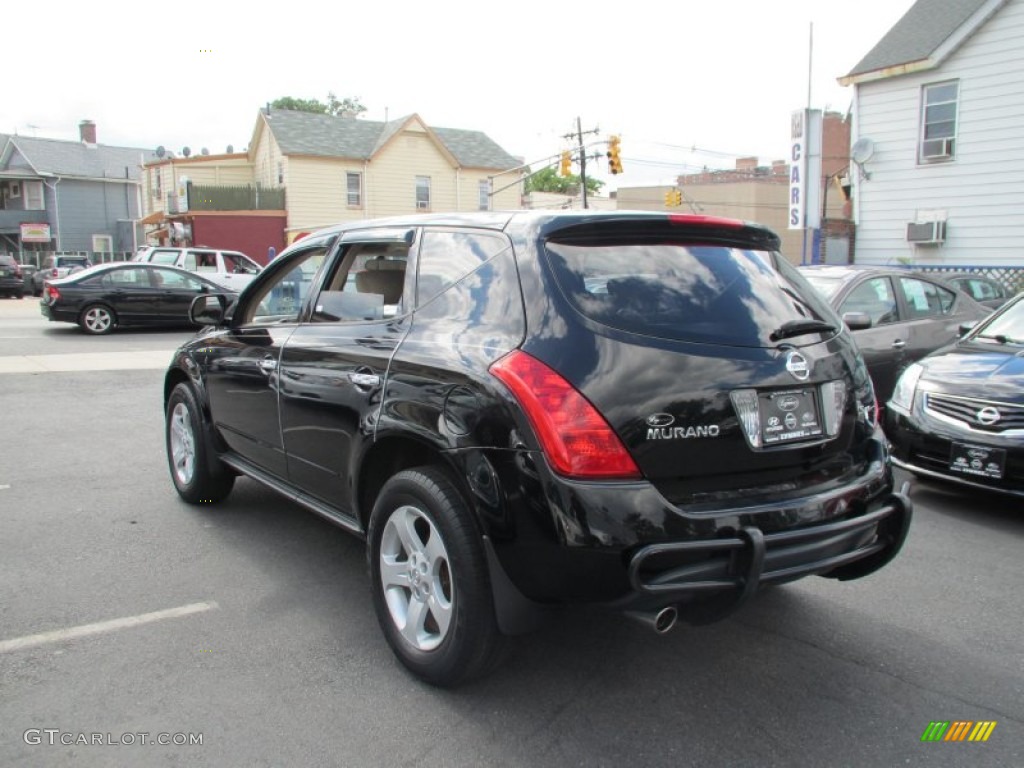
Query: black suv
<point x="651" y="412"/>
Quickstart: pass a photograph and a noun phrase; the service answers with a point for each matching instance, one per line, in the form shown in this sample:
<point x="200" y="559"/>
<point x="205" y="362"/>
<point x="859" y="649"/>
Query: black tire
<point x="189" y="453"/>
<point x="97" y="319"/>
<point x="423" y="529"/>
<point x="37" y="291"/>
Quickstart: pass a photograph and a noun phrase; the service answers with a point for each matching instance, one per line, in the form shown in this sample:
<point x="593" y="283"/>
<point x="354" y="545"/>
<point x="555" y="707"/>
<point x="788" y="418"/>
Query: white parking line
<point x="85" y="630"/>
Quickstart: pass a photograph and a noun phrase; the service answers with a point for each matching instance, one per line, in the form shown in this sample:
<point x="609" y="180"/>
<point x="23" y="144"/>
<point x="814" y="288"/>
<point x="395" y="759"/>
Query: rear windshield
<point x="73" y="261"/>
<point x="711" y="294"/>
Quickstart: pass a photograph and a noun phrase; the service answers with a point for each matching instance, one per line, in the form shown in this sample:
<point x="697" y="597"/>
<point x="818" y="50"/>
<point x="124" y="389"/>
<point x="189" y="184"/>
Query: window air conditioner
<point x="422" y="204"/>
<point x="926" y="232"/>
<point x="937" y="149"/>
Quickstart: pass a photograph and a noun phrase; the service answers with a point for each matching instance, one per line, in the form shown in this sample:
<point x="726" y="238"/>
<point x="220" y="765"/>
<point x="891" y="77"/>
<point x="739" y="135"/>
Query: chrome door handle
<point x="365" y="380"/>
<point x="899" y="344"/>
<point x="268" y="364"/>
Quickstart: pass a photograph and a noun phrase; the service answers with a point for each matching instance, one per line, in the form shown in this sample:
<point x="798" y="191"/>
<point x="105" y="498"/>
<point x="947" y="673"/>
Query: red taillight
<point x="52" y="293"/>
<point x="575" y="438"/>
<point x="53" y="272"/>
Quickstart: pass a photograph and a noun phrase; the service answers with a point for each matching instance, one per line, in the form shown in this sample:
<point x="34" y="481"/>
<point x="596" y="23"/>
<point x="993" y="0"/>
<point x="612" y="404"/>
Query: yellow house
<point x="342" y="168"/>
<point x="334" y="168"/>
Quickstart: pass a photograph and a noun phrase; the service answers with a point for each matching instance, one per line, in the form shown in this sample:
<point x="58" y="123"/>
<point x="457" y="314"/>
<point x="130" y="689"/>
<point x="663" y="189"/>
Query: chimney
<point x="87" y="131"/>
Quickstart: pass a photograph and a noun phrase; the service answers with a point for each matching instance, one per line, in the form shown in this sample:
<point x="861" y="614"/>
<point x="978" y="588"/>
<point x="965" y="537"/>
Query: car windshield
<point x="826" y="286"/>
<point x="73" y="261"/>
<point x="1005" y="328"/>
<point x="708" y="294"/>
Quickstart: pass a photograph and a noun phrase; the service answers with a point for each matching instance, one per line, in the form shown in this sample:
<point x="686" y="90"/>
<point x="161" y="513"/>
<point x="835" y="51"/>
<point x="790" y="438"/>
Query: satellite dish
<point x="862" y="151"/>
<point x="186" y="151"/>
<point x="160" y="151"/>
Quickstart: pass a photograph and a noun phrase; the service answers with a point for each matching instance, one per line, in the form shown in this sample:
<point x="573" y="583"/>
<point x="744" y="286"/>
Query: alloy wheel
<point x="415" y="573"/>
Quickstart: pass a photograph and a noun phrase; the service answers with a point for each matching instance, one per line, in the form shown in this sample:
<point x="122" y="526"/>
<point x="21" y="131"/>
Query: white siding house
<point x="939" y="115"/>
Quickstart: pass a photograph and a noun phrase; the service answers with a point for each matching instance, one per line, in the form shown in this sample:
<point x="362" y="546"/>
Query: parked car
<point x="646" y="411"/>
<point x="56" y="266"/>
<point x="958" y="414"/>
<point x="12" y="280"/>
<point x="231" y="269"/>
<point x="897" y="316"/>
<point x="982" y="289"/>
<point x="104" y="297"/>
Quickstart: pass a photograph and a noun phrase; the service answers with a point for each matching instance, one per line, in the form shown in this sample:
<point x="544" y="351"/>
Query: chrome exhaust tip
<point x="661" y="621"/>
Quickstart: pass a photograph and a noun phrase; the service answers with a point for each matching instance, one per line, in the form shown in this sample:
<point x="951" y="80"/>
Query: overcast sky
<point x="686" y="84"/>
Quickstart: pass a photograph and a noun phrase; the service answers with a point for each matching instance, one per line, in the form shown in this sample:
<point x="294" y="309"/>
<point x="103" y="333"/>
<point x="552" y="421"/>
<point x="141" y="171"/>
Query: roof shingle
<point x="916" y="36"/>
<point x="308" y="133"/>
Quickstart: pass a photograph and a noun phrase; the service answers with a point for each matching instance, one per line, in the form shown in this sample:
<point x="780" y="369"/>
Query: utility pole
<point x="583" y="161"/>
<point x="578" y="136"/>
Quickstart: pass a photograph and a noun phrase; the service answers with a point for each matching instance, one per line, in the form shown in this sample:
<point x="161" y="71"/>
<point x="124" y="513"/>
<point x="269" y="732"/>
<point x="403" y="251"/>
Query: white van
<point x="232" y="269"/>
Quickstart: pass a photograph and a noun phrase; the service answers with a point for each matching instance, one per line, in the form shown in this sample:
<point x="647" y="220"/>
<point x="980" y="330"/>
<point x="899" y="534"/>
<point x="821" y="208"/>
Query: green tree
<point x="549" y="180"/>
<point x="333" y="105"/>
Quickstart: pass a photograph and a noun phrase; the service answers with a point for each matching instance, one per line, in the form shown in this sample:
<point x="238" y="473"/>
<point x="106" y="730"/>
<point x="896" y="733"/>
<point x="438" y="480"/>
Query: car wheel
<point x="37" y="291"/>
<point x="428" y="573"/>
<point x="97" y="319"/>
<point x="189" y="454"/>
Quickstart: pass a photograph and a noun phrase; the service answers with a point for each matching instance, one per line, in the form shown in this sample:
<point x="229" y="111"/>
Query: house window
<point x="423" y="193"/>
<point x="34" y="196"/>
<point x="157" y="191"/>
<point x="280" y="173"/>
<point x="355" y="189"/>
<point x="485" y="195"/>
<point x="938" y="121"/>
<point x="102" y="244"/>
<point x="14" y="190"/>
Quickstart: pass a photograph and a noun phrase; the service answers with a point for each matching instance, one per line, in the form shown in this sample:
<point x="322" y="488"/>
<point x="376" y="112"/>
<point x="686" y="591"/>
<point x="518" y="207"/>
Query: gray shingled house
<point x="69" y="196"/>
<point x="938" y="136"/>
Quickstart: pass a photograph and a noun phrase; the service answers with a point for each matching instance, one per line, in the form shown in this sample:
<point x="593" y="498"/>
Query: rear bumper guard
<point x="844" y="550"/>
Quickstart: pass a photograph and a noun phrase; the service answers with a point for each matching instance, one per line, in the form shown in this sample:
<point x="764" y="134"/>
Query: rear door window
<point x="368" y="283"/>
<point x="926" y="299"/>
<point x="712" y="294"/>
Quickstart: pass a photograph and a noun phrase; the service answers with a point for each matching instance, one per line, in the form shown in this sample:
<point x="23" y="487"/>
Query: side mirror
<point x="208" y="309"/>
<point x="857" y="321"/>
<point x="964" y="328"/>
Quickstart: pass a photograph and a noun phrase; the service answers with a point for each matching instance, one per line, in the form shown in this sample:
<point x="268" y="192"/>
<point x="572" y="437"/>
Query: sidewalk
<point x="19" y="316"/>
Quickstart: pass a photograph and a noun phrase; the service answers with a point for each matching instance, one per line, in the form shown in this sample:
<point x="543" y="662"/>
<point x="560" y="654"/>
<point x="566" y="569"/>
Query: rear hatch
<point x="722" y="372"/>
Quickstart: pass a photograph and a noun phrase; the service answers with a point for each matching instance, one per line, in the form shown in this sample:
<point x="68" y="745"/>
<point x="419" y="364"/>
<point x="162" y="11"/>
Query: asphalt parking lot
<point x="249" y="625"/>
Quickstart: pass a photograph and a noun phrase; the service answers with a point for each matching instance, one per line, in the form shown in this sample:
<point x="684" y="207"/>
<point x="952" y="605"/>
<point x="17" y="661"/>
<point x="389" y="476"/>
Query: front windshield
<point x="1006" y="327"/>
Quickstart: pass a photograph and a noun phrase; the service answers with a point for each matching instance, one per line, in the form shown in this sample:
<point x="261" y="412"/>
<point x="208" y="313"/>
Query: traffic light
<point x="614" y="161"/>
<point x="565" y="168"/>
<point x="673" y="198"/>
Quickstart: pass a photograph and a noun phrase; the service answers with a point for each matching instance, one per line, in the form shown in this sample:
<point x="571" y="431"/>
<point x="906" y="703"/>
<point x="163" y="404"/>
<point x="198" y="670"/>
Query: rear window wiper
<point x="800" y="328"/>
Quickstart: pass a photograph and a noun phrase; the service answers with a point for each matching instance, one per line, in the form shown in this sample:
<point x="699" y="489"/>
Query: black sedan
<point x="104" y="297"/>
<point x="897" y="316"/>
<point x="959" y="414"/>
